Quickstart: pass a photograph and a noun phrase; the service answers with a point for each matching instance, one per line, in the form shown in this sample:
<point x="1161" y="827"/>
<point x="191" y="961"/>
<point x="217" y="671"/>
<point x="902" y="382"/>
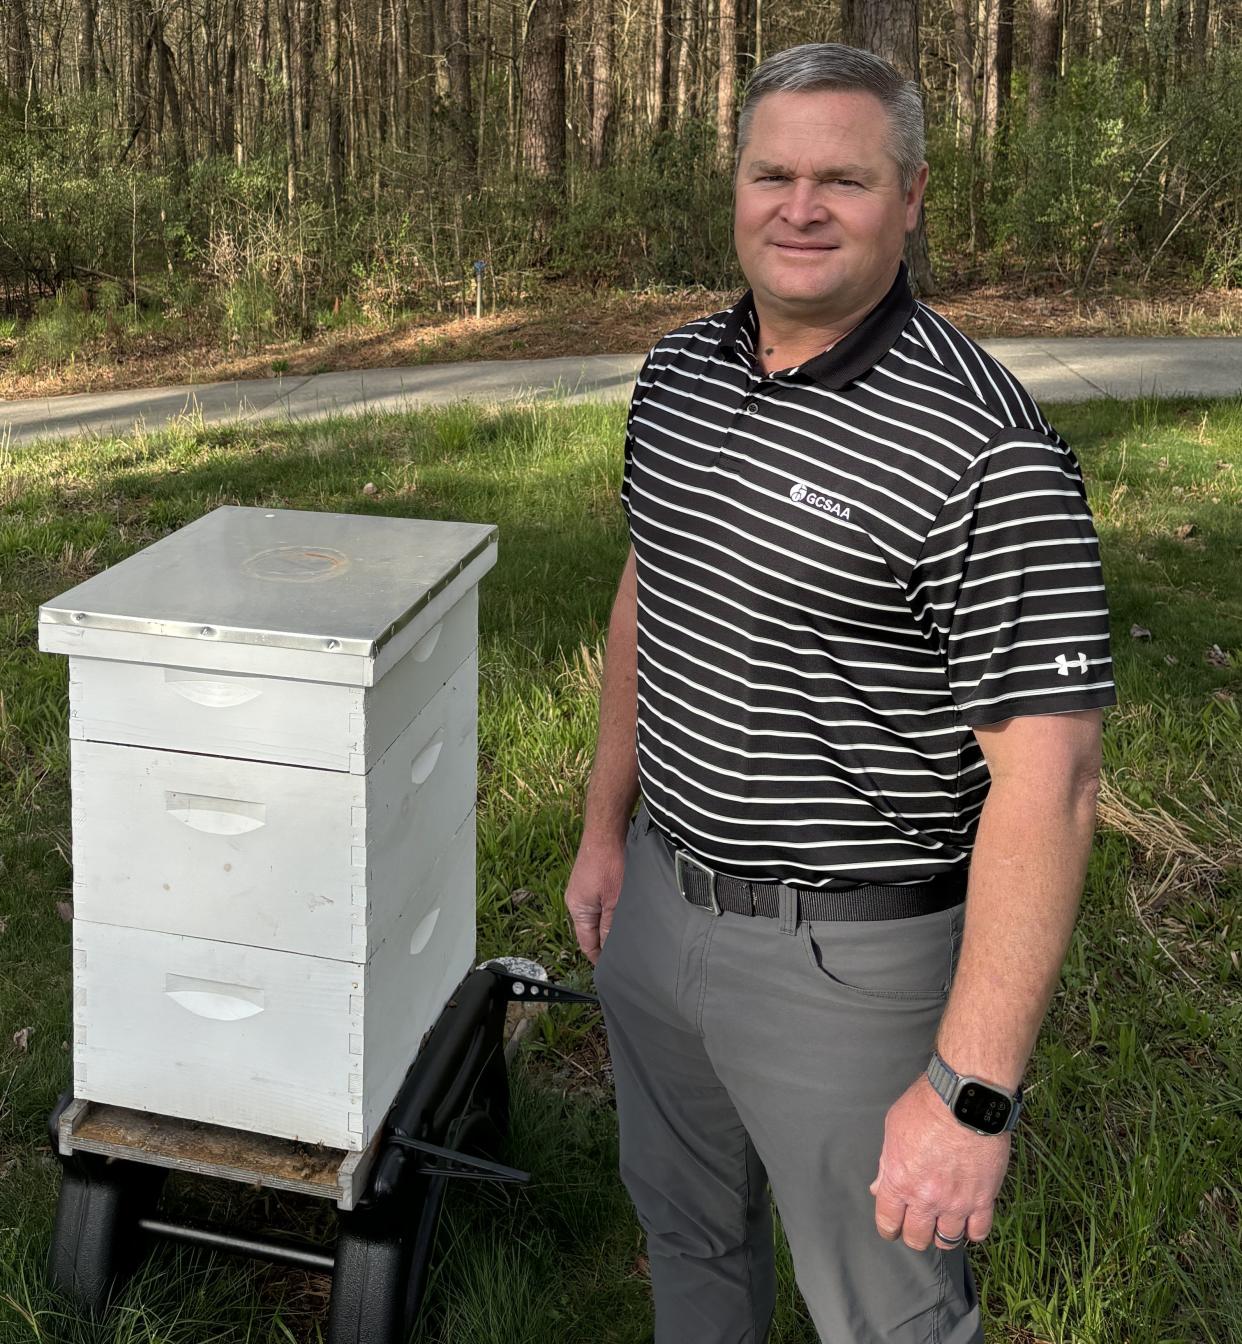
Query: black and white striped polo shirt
<point x="843" y="567"/>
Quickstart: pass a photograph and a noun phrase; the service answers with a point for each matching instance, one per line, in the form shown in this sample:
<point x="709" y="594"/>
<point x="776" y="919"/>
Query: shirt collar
<point x="855" y="353"/>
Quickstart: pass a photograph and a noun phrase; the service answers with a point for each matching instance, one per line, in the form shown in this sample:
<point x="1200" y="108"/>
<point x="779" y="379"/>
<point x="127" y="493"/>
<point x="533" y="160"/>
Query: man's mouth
<point x="806" y="247"/>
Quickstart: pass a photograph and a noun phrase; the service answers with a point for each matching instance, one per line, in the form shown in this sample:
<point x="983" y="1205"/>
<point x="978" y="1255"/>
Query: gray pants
<point x="757" y="1051"/>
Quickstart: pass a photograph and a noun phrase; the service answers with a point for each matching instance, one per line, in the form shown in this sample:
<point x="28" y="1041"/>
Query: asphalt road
<point x="1072" y="369"/>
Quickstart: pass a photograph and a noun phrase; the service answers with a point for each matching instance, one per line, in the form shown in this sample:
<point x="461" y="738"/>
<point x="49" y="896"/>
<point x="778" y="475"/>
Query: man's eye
<point x="772" y="177"/>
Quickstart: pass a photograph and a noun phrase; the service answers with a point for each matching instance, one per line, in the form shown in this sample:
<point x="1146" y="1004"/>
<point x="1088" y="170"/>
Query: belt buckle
<point x="683" y="860"/>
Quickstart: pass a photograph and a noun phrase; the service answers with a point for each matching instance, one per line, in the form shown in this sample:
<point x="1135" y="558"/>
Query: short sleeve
<point x="642" y="383"/>
<point x="1009" y="584"/>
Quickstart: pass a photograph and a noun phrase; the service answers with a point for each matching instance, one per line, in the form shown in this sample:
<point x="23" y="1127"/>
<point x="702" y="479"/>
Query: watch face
<point x="982" y="1107"/>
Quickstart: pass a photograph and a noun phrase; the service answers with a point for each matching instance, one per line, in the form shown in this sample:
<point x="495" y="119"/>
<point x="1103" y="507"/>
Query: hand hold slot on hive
<point x="211" y="998"/>
<point x="422" y="935"/>
<point x="427" y="645"/>
<point x="425" y="761"/>
<point x="210" y="692"/>
<point x="218" y="816"/>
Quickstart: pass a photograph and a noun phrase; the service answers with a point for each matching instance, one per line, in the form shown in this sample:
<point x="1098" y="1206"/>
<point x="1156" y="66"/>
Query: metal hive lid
<point x="281" y="578"/>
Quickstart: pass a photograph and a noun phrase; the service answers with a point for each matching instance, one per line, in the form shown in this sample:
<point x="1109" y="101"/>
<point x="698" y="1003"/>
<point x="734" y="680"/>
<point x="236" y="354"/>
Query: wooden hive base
<point x="214" y="1150"/>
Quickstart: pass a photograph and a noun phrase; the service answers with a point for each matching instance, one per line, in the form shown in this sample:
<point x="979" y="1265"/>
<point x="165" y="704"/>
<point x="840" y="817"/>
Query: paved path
<point x="1072" y="369"/>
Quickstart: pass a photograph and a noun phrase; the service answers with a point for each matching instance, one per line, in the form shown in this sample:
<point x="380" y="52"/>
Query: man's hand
<point x="592" y="891"/>
<point x="935" y="1174"/>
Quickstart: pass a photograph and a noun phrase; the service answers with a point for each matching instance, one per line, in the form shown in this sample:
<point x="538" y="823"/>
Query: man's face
<point x="820" y="218"/>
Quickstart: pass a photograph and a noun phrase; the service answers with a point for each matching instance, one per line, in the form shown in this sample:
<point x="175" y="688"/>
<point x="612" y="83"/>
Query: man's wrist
<point x="974" y="1101"/>
<point x="607" y="820"/>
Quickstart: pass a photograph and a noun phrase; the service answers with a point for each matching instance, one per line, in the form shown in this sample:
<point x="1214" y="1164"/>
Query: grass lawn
<point x="1120" y="1217"/>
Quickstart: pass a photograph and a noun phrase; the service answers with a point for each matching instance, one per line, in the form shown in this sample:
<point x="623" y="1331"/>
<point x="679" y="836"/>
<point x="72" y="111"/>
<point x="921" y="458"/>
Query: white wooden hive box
<point x="273" y="717"/>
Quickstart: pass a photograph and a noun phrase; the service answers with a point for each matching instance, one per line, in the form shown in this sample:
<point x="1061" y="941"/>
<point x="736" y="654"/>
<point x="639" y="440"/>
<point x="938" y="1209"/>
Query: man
<point x="859" y="645"/>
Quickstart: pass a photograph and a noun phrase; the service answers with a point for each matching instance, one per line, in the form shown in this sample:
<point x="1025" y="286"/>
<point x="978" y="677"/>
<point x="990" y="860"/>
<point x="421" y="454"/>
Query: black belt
<point x="720" y="892"/>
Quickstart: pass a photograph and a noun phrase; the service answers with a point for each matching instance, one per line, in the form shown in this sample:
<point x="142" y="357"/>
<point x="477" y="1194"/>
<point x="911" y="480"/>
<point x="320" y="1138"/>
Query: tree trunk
<point x="265" y="55"/>
<point x="688" y="49"/>
<point x="1156" y="53"/>
<point x="600" y="65"/>
<point x="890" y="28"/>
<point x="168" y="89"/>
<point x="543" y="90"/>
<point x="86" y="47"/>
<point x="685" y="38"/>
<point x="997" y="68"/>
<point x="726" y="88"/>
<point x="1198" y="35"/>
<point x="285" y="10"/>
<point x="228" y="101"/>
<point x="663" y="63"/>
<point x="429" y="75"/>
<point x="460" y="107"/>
<point x="964" y="69"/>
<point x="1181" y="38"/>
<point x="307" y="45"/>
<point x="402" y="43"/>
<point x="1045" y="53"/>
<point x="21" y="72"/>
<point x="332" y="55"/>
<point x="140" y="41"/>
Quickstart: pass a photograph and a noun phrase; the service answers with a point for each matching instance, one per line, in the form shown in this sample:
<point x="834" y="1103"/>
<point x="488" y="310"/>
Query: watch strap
<point x="946" y="1082"/>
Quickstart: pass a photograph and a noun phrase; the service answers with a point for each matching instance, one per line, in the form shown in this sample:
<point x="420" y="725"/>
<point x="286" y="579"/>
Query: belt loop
<point x="787" y="904"/>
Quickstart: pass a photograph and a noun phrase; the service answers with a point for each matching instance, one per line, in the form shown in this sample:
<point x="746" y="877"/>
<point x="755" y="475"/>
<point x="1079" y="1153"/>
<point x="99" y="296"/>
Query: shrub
<point x="60" y="327"/>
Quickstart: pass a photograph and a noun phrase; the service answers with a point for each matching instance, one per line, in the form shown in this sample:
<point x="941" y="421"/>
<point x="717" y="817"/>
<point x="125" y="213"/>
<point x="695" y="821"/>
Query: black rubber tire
<point x="370" y="1285"/>
<point x="96" y="1242"/>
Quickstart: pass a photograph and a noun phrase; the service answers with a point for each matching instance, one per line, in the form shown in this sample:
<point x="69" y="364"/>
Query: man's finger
<point x="918" y="1227"/>
<point x="889" y="1212"/>
<point x="587" y="931"/>
<point x="979" y="1225"/>
<point x="949" y="1231"/>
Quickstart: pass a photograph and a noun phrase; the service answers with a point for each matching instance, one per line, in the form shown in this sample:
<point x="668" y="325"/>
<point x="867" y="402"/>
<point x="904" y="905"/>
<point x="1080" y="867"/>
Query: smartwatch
<point x="977" y="1105"/>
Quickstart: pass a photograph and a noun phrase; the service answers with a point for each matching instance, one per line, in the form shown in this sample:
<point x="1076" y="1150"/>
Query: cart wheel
<point x="380" y="1275"/>
<point x="96" y="1242"/>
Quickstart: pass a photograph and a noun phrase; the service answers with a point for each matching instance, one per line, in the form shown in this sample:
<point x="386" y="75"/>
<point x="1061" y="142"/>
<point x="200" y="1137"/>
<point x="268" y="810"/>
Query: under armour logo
<point x="1064" y="664"/>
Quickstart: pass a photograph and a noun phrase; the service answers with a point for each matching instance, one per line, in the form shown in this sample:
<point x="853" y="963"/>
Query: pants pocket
<point x="911" y="959"/>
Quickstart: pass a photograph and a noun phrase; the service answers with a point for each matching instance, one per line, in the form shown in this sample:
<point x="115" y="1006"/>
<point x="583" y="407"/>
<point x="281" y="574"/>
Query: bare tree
<point x="460" y="107"/>
<point x="890" y="28"/>
<point x="543" y="89"/>
<point x="1045" y="53"/>
<point x="726" y="87"/>
<point x="335" y="121"/>
<point x="996" y="24"/>
<point x="87" y="74"/>
<point x="600" y="86"/>
<point x="21" y="65"/>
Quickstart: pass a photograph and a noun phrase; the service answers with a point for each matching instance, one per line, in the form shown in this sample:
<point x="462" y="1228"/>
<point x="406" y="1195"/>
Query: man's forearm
<point x="613" y="785"/>
<point x="1026" y="875"/>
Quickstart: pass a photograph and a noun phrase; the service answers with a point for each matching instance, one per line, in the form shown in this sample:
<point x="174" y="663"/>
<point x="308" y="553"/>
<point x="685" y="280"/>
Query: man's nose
<point x="804" y="204"/>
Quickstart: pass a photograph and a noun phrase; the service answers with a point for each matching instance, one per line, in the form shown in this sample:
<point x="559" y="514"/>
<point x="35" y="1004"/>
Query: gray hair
<point x="830" y="65"/>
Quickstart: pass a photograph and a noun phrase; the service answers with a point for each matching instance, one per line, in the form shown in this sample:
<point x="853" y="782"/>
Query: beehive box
<point x="273" y="722"/>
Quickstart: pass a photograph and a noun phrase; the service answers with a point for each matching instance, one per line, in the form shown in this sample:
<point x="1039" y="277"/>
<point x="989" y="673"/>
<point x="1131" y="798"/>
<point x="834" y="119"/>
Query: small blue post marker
<point x="479" y="268"/>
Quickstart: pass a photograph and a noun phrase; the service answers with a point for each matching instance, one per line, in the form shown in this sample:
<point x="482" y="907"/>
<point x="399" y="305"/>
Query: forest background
<point x="230" y="174"/>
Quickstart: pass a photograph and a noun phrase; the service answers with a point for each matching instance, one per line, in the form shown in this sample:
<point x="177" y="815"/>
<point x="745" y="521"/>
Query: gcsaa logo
<point x="803" y="494"/>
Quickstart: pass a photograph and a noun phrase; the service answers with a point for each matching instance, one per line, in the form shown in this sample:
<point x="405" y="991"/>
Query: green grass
<point x="1119" y="1220"/>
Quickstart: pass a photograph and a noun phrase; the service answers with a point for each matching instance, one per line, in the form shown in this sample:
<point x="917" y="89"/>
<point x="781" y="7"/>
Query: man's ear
<point x="914" y="197"/>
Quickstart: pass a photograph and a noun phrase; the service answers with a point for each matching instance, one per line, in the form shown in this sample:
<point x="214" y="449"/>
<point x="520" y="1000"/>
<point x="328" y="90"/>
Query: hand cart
<point x="447" y="1122"/>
